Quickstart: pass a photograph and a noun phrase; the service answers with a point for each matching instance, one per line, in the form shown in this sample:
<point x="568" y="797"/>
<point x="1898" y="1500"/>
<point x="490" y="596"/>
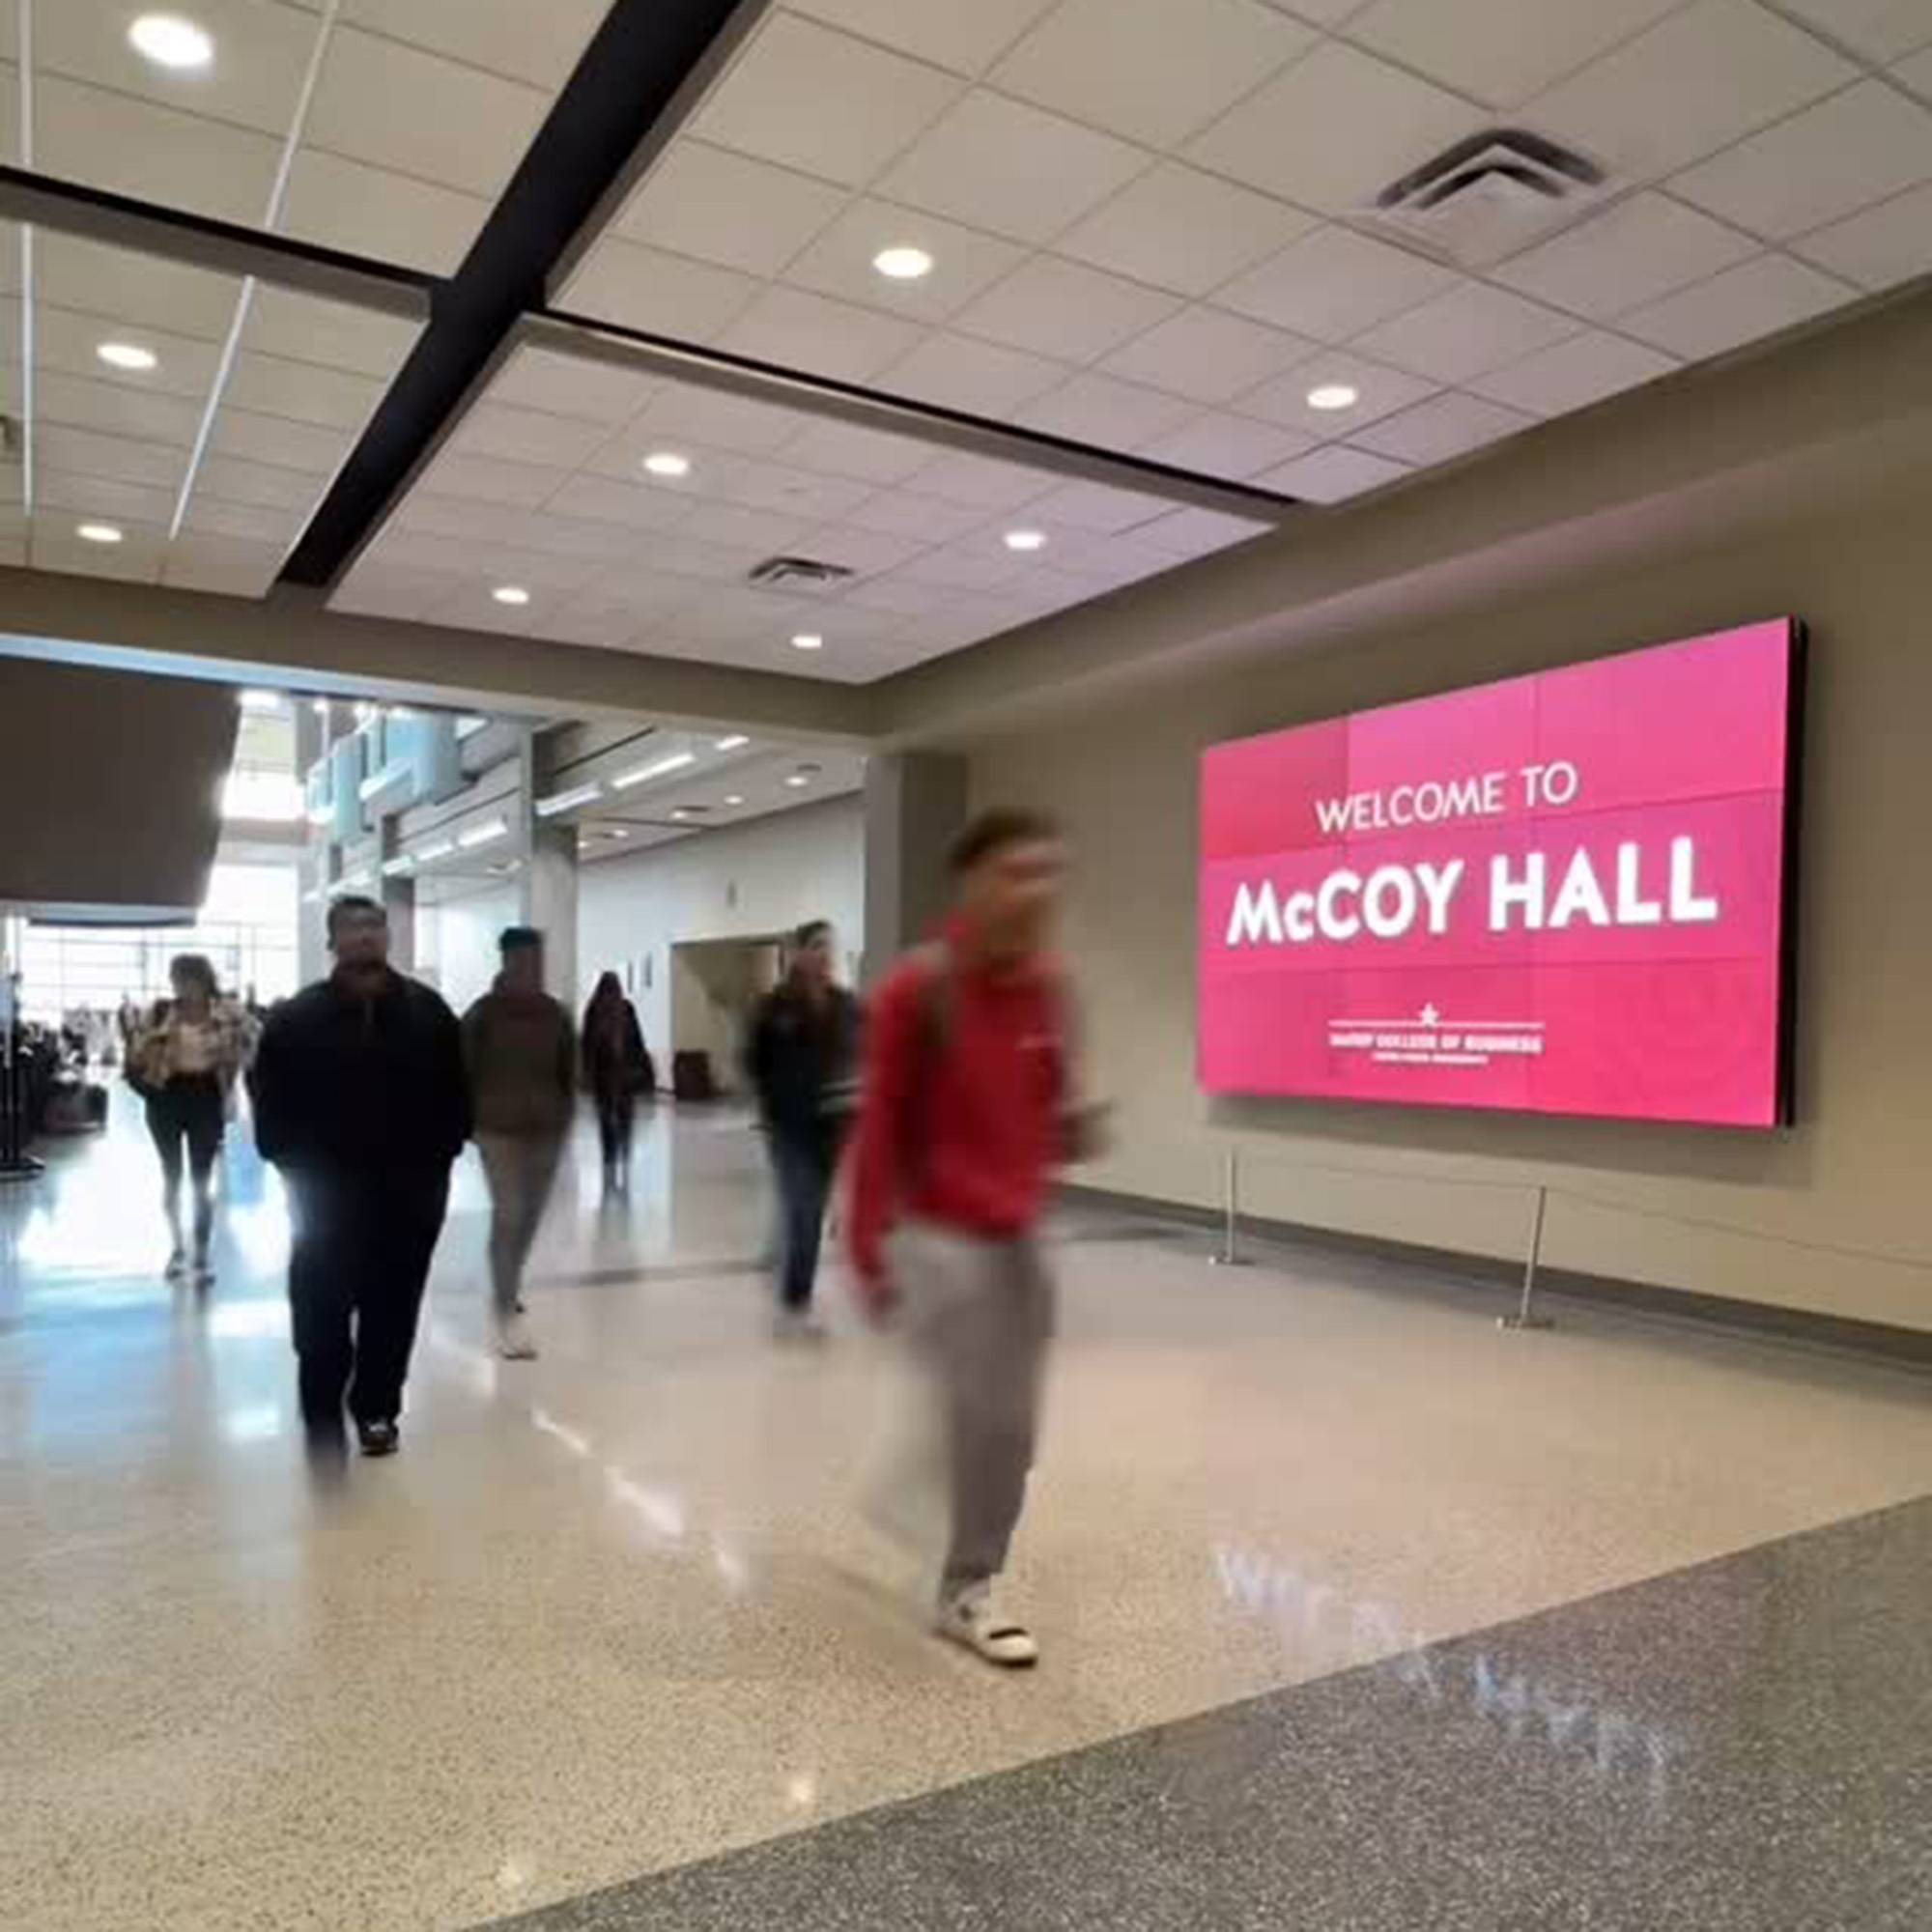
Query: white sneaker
<point x="969" y="1618"/>
<point x="513" y="1340"/>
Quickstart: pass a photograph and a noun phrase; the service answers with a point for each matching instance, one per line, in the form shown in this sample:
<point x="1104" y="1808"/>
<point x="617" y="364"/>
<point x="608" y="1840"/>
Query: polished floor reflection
<point x="615" y="1611"/>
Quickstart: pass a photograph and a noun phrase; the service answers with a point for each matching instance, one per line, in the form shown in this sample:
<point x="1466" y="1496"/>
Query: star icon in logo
<point x="1428" y="1016"/>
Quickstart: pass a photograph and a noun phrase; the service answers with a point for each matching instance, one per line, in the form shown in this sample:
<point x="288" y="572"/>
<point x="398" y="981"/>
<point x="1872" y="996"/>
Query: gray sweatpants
<point x="978" y="1315"/>
<point x="520" y="1169"/>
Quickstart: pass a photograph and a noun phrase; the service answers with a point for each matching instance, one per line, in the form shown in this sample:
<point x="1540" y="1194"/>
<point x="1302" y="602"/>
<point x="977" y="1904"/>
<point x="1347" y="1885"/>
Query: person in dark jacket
<point x="521" y="1053"/>
<point x="803" y="1058"/>
<point x="361" y="1100"/>
<point x="616" y="1069"/>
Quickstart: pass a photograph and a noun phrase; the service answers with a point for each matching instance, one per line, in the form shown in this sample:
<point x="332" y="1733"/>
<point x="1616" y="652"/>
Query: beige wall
<point x="1855" y="1174"/>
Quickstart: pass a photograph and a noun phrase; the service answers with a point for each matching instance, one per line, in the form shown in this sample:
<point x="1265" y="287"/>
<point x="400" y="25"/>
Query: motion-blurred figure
<point x="968" y="1108"/>
<point x="616" y="1069"/>
<point x="803" y="1060"/>
<point x="361" y="1100"/>
<point x="521" y="1053"/>
<point x="183" y="1058"/>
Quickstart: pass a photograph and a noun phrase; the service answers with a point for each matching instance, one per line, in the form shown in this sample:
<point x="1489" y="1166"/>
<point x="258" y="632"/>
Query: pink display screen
<point x="1563" y="893"/>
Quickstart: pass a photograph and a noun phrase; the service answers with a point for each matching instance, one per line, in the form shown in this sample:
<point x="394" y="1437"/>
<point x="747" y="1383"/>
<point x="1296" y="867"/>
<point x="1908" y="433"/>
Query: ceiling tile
<point x="839" y="262"/>
<point x="491" y="428"/>
<point x="1501" y="51"/>
<point x="153" y="153"/>
<point x="1738" y="306"/>
<point x="1209" y="355"/>
<point x="303" y="329"/>
<point x="1881" y="30"/>
<point x="1435" y="431"/>
<point x="721" y="206"/>
<point x="67" y="340"/>
<point x="602" y="499"/>
<point x="1108" y="414"/>
<point x="1916" y="73"/>
<point x="490" y="481"/>
<point x="254" y="81"/>
<point x="1574" y="374"/>
<point x="966" y="39"/>
<point x="984" y="483"/>
<point x="866" y="551"/>
<point x="1691" y="85"/>
<point x="378" y="590"/>
<point x="562" y="384"/>
<point x="864" y="455"/>
<point x="1631" y="253"/>
<point x="1318" y="12"/>
<point x="1329" y="475"/>
<point x="900" y="596"/>
<point x="1829" y="161"/>
<point x="1380" y="391"/>
<point x="413" y="113"/>
<point x="775" y="486"/>
<point x="1334" y="283"/>
<point x="1153" y="71"/>
<point x="1465" y="331"/>
<point x="293" y="445"/>
<point x="227" y="565"/>
<point x="904" y="513"/>
<point x="821" y="101"/>
<point x="1061" y="309"/>
<point x="52" y="545"/>
<point x="765" y="530"/>
<point x="229" y="480"/>
<point x="681" y="413"/>
<point x="1002" y="165"/>
<point x="55" y="488"/>
<point x="304" y="391"/>
<point x="345" y="204"/>
<point x="567" y="536"/>
<point x="114" y="408"/>
<point x="539" y="44"/>
<point x="963" y="566"/>
<point x="1179" y="229"/>
<point x="1334" y="130"/>
<point x="422" y="511"/>
<point x="801" y="330"/>
<point x="660" y="293"/>
<point x="1200" y="532"/>
<point x="977" y="377"/>
<point x="115" y="459"/>
<point x="95" y="280"/>
<point x="1100" y="507"/>
<point x="252" y="522"/>
<point x="1218" y="443"/>
<point x="1885" y="245"/>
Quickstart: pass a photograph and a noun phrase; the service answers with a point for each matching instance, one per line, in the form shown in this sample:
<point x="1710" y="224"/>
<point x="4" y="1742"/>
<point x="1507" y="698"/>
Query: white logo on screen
<point x="1432" y="1039"/>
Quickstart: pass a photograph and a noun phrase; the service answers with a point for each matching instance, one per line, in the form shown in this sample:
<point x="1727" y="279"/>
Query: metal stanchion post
<point x="1229" y="1255"/>
<point x="1524" y="1318"/>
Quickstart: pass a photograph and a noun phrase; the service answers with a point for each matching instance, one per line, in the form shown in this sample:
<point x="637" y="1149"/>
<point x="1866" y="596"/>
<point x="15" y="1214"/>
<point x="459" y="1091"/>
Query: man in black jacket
<point x="361" y="1100"/>
<point x="803" y="1060"/>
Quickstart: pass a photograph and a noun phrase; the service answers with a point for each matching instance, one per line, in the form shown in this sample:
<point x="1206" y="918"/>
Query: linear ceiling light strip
<point x="26" y="53"/>
<point x="245" y="301"/>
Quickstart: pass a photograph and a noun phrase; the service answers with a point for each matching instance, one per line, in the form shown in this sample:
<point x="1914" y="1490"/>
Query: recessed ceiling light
<point x="101" y="533"/>
<point x="510" y="593"/>
<point x="169" y="40"/>
<point x="127" y="355"/>
<point x="1026" y="539"/>
<point x="735" y="798"/>
<point x="798" y="780"/>
<point x="667" y="462"/>
<point x="1334" y="396"/>
<point x="902" y="264"/>
<point x="808" y="641"/>
<point x="736" y="742"/>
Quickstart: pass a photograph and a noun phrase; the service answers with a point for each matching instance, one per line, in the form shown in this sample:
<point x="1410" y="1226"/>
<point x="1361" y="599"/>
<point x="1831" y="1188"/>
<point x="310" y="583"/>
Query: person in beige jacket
<point x="521" y="1051"/>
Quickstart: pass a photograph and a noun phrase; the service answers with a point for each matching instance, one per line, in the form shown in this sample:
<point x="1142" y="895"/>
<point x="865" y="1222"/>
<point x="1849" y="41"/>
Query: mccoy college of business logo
<point x="1432" y="1039"/>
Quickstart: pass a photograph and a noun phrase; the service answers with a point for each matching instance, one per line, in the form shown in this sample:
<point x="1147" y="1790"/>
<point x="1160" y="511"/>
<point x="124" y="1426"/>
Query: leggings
<point x="189" y="1112"/>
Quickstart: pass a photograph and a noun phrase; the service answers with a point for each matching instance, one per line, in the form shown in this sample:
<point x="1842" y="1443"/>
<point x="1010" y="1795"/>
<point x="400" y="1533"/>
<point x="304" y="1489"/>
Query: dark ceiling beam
<point x="633" y="80"/>
<point x="594" y="341"/>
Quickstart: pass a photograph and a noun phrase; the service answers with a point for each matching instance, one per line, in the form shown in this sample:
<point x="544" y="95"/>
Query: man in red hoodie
<point x="964" y="1119"/>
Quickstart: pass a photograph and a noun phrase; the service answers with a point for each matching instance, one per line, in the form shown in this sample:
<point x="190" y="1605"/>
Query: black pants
<point x="363" y="1249"/>
<point x="617" y="1116"/>
<point x="190" y="1112"/>
<point x="804" y="1164"/>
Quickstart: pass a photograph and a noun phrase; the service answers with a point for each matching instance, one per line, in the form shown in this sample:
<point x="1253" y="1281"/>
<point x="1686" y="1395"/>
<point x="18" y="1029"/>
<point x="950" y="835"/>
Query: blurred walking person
<point x="361" y="1100"/>
<point x="183" y="1057"/>
<point x="968" y="1106"/>
<point x="803" y="1062"/>
<point x="521" y="1053"/>
<point x="616" y="1069"/>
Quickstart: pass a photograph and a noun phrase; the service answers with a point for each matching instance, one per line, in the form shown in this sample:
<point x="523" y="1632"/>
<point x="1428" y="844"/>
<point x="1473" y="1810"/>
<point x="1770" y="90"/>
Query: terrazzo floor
<point x="613" y="1611"/>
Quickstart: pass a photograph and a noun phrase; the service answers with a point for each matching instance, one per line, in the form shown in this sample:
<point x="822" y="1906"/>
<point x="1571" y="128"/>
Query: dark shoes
<point x="378" y="1439"/>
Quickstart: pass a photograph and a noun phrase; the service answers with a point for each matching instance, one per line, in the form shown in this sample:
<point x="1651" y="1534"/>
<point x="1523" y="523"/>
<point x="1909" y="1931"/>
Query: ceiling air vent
<point x="1489" y="196"/>
<point x="799" y="572"/>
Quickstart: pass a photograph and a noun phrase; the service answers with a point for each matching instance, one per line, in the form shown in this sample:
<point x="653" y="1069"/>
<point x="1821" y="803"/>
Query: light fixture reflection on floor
<point x="1334" y="396"/>
<point x="902" y="264"/>
<point x="128" y="356"/>
<point x="170" y="40"/>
